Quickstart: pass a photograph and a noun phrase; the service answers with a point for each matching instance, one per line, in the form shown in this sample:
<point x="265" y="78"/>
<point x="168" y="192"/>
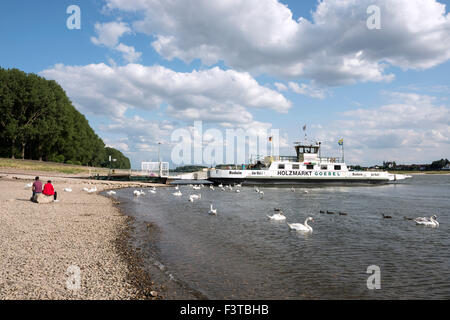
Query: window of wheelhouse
<point x="309" y="166"/>
<point x="337" y="167"/>
<point x="295" y="166"/>
<point x="281" y="166"/>
<point x="323" y="167"/>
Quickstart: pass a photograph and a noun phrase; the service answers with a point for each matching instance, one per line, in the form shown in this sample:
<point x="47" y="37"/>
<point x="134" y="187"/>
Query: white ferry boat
<point x="305" y="168"/>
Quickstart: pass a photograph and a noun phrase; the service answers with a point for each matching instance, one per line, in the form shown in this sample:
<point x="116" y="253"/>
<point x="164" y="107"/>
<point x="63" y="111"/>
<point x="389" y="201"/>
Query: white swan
<point x="301" y="227"/>
<point x="177" y="194"/>
<point x="292" y="189"/>
<point x="137" y="193"/>
<point x="238" y="185"/>
<point x="177" y="188"/>
<point x="238" y="191"/>
<point x="92" y="190"/>
<point x="111" y="192"/>
<point x="306" y="191"/>
<point x="220" y="185"/>
<point x="277" y="216"/>
<point x="152" y="191"/>
<point x="212" y="211"/>
<point x="193" y="197"/>
<point x="196" y="187"/>
<point x="211" y="187"/>
<point x="68" y="189"/>
<point x="428" y="222"/>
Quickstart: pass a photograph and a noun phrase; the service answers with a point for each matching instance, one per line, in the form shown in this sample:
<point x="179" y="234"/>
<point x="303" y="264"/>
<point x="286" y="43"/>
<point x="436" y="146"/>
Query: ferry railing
<point x="284" y="158"/>
<point x="329" y="159"/>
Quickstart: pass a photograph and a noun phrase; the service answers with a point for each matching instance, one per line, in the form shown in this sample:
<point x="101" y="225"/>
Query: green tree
<point x="37" y="116"/>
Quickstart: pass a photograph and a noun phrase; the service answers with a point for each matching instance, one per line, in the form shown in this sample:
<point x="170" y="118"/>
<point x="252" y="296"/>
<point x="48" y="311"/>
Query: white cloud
<point x="214" y="112"/>
<point x="307" y="90"/>
<point x="303" y="89"/>
<point x="108" y="35"/>
<point x="137" y="135"/>
<point x="117" y="145"/>
<point x="211" y="95"/>
<point x="280" y="86"/>
<point x="129" y="53"/>
<point x="413" y="128"/>
<point x="334" y="48"/>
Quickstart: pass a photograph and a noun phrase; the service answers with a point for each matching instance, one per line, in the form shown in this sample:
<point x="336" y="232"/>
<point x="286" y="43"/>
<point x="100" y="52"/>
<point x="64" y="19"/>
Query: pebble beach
<point x="42" y="244"/>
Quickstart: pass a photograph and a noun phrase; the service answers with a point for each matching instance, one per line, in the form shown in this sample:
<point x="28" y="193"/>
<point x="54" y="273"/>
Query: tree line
<point x="39" y="122"/>
<point x="435" y="165"/>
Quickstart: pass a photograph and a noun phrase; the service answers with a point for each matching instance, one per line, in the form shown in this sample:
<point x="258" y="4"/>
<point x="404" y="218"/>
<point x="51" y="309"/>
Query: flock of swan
<point x="279" y="215"/>
<point x="138" y="193"/>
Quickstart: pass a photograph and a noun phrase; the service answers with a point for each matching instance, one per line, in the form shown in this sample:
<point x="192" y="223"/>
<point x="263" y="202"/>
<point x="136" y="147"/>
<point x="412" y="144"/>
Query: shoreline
<point x="142" y="235"/>
<point x="40" y="241"/>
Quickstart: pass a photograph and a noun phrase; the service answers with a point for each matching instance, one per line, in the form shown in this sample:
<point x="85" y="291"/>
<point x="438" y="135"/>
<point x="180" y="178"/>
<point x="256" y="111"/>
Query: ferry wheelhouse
<point x="307" y="167"/>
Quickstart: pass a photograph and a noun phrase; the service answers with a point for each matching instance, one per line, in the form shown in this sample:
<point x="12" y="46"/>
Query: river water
<point x="241" y="254"/>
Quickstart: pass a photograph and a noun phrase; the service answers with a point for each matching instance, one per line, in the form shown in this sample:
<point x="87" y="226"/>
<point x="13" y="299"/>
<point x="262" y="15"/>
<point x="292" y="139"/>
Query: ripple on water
<point x="241" y="254"/>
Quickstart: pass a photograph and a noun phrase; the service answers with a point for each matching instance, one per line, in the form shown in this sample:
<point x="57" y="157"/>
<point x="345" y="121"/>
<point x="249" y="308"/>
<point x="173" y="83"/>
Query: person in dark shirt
<point x="37" y="188"/>
<point x="49" y="190"/>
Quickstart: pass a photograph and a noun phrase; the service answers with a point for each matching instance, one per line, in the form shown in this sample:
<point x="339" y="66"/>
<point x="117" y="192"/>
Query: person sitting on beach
<point x="37" y="188"/>
<point x="49" y="190"/>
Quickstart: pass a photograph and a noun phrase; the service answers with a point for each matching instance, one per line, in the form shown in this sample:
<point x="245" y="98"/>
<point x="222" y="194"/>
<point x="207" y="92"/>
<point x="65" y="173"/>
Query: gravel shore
<point x="42" y="246"/>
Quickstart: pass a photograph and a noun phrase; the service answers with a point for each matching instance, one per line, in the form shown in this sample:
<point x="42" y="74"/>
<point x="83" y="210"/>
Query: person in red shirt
<point x="49" y="190"/>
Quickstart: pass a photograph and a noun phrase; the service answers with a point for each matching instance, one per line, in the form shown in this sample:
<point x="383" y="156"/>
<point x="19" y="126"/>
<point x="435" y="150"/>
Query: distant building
<point x="155" y="168"/>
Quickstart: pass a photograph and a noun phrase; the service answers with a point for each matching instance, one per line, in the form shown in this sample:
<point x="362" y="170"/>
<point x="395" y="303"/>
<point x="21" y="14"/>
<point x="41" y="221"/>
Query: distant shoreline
<point x="417" y="173"/>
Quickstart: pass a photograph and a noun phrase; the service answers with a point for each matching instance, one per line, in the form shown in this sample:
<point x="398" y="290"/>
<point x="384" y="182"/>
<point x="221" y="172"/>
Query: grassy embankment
<point x="33" y="165"/>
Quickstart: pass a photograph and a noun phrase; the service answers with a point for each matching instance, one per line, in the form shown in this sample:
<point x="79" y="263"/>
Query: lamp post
<point x="110" y="164"/>
<point x="159" y="158"/>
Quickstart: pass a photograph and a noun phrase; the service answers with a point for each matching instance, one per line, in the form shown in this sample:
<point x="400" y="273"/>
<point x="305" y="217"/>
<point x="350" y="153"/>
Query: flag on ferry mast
<point x="341" y="142"/>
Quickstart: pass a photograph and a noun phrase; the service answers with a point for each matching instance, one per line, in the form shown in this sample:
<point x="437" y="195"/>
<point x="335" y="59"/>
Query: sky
<point x="142" y="70"/>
